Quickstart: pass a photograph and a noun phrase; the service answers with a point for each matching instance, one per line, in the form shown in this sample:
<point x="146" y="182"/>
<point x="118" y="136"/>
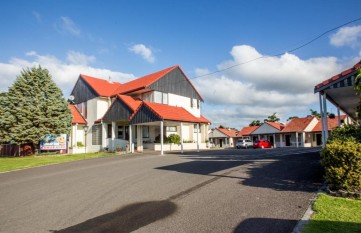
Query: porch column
<point x="325" y="117"/>
<point x="296" y="139"/>
<point x="131" y="147"/>
<point x="181" y="136"/>
<point x="274" y="141"/>
<point x="198" y="137"/>
<point x="113" y="135"/>
<point x="281" y="140"/>
<point x="104" y="135"/>
<point x="338" y="115"/>
<point x="161" y="138"/>
<point x="74" y="139"/>
<point x="139" y="138"/>
<point x="303" y="138"/>
<point x="322" y="121"/>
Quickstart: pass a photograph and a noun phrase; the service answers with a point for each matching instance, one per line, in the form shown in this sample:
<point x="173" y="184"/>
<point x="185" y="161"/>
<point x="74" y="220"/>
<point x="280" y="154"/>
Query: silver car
<point x="244" y="143"/>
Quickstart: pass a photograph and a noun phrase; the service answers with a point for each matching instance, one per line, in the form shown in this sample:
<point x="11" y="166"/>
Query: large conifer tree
<point x="33" y="107"/>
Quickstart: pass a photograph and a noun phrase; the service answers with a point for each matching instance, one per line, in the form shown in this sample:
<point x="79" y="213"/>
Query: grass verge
<point x="335" y="214"/>
<point x="15" y="163"/>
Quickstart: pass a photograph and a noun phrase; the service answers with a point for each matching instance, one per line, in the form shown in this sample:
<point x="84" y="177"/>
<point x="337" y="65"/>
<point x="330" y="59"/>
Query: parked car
<point x="262" y="144"/>
<point x="243" y="143"/>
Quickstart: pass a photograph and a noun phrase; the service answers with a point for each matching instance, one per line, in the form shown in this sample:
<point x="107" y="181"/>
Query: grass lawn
<point x="335" y="214"/>
<point x="14" y="163"/>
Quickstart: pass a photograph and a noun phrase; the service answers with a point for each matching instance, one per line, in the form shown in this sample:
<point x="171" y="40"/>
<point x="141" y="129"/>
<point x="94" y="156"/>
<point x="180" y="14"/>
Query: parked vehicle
<point x="243" y="143"/>
<point x="262" y="144"/>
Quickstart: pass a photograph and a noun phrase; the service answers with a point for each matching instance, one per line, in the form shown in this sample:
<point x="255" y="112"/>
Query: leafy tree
<point x="315" y="113"/>
<point x="292" y="117"/>
<point x="272" y="118"/>
<point x="33" y="107"/>
<point x="255" y="123"/>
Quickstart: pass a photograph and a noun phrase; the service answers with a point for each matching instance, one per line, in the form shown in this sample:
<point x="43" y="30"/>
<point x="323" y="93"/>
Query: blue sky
<point x="128" y="39"/>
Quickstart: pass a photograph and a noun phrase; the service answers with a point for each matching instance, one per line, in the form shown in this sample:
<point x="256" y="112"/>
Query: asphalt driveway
<point x="212" y="191"/>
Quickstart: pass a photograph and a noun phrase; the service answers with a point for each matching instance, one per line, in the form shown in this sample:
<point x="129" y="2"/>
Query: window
<point x="82" y="107"/>
<point x="171" y="128"/>
<point x="195" y="130"/>
<point x="198" y="103"/>
<point x="165" y="98"/>
<point x="145" y="131"/>
<point x="191" y="103"/>
<point x="120" y="132"/>
<point x="97" y="134"/>
<point x="109" y="131"/>
<point x="160" y="97"/>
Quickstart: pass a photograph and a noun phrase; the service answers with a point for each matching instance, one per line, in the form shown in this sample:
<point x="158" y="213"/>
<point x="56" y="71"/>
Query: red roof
<point x="229" y="132"/>
<point x="332" y="123"/>
<point x="340" y="75"/>
<point x="142" y="82"/>
<point x="145" y="81"/>
<point x="276" y="125"/>
<point x="297" y="124"/>
<point x="245" y="131"/>
<point x="173" y="113"/>
<point x="77" y="117"/>
<point x="130" y="102"/>
<point x="101" y="87"/>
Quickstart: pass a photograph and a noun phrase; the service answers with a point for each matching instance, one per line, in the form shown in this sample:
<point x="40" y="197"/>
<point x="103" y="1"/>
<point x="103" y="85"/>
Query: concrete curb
<point x="309" y="212"/>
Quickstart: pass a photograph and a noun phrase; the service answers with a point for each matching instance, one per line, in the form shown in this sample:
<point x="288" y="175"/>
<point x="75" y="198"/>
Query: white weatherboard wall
<point x="185" y="102"/>
<point x="96" y="109"/>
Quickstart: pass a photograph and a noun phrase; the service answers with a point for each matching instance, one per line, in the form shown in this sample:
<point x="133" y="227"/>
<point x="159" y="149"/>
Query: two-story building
<point x="138" y="115"/>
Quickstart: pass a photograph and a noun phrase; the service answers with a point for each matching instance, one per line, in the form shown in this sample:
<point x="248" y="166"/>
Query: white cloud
<point x="64" y="74"/>
<point x="66" y="25"/>
<point x="78" y="58"/>
<point x="143" y="51"/>
<point x="259" y="88"/>
<point x="347" y="36"/>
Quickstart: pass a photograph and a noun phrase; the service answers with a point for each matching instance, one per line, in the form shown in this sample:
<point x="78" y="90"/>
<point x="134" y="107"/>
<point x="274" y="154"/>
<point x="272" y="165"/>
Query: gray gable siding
<point x="118" y="111"/>
<point x="82" y="92"/>
<point x="217" y="134"/>
<point x="265" y="129"/>
<point x="144" y="115"/>
<point x="176" y="83"/>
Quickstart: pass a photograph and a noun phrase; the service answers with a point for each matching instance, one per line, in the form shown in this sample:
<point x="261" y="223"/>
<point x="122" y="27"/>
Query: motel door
<point x="288" y="140"/>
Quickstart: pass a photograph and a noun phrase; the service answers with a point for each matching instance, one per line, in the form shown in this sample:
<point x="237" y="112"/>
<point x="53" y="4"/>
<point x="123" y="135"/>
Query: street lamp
<point x="85" y="132"/>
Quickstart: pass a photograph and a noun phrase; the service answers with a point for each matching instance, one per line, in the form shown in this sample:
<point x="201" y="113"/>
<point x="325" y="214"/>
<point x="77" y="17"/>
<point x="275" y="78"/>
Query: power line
<point x="279" y="54"/>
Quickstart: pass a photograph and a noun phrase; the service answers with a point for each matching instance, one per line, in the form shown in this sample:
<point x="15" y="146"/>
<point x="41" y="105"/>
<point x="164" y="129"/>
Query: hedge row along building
<point x="138" y="114"/>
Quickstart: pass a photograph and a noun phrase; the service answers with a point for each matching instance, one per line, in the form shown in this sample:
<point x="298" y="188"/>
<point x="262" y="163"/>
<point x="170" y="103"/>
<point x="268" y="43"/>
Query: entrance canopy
<point x="339" y="90"/>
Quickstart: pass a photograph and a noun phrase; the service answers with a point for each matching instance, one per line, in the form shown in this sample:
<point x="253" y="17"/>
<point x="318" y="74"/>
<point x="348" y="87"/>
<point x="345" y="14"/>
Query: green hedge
<point x="346" y="132"/>
<point x="342" y="162"/>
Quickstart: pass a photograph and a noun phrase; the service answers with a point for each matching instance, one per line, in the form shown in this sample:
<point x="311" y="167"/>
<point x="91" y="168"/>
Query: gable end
<point x="175" y="82"/>
<point x="82" y="92"/>
<point x="118" y="111"/>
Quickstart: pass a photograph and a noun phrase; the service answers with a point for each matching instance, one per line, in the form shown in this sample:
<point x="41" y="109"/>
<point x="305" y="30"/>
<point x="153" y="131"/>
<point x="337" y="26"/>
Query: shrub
<point x="165" y="139"/>
<point x="174" y="138"/>
<point x="346" y="132"/>
<point x="79" y="144"/>
<point x="342" y="162"/>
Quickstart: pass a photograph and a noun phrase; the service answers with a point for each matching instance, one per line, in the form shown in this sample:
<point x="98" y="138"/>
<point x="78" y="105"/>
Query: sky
<point x="123" y="40"/>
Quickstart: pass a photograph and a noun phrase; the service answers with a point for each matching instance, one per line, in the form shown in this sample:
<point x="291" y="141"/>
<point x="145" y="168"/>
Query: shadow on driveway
<point x="298" y="172"/>
<point x="127" y="219"/>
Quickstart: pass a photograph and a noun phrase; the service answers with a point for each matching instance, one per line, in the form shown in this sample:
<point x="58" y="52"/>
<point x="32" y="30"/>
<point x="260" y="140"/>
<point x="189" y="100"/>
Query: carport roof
<point x="339" y="90"/>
